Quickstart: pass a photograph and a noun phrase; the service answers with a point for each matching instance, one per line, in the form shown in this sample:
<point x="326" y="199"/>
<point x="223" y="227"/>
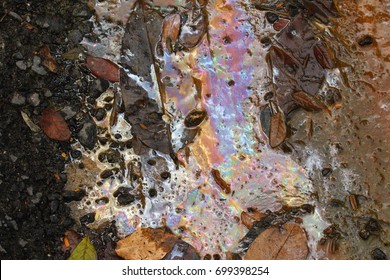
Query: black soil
<point x="33" y="211"/>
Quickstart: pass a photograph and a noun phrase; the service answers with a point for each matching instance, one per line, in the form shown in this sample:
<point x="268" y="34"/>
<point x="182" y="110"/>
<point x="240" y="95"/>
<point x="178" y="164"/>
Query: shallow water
<point x="228" y="76"/>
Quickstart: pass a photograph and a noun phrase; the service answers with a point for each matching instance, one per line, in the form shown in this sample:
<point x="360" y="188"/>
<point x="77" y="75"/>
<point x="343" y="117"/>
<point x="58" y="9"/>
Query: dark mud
<point x="33" y="210"/>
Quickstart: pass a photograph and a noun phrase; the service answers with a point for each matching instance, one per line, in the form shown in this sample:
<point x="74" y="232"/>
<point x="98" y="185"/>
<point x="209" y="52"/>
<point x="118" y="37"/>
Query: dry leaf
<point x="289" y="243"/>
<point x="54" y="125"/>
<point x="278" y="129"/>
<point x="146" y="244"/>
<point x="29" y="122"/>
<point x="48" y="60"/>
<point x="307" y="101"/>
<point x="323" y="56"/>
<point x="220" y="181"/>
<point x="103" y="68"/>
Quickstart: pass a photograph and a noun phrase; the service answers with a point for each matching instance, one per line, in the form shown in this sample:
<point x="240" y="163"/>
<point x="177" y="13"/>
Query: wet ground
<point x="242" y="112"/>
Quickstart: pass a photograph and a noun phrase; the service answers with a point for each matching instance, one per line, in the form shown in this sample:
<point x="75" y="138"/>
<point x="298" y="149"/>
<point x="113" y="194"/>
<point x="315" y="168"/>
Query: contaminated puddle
<point x="232" y="107"/>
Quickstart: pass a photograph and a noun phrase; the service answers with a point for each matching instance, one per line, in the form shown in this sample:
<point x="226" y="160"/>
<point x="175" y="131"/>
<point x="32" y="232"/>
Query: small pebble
<point x="22" y="242"/>
<point x="21" y="64"/>
<point x="69" y="196"/>
<point x="88" y="218"/>
<point x="326" y="171"/>
<point x="76" y="154"/>
<point x="34" y="99"/>
<point x="266" y="41"/>
<point x="54" y="206"/>
<point x="87" y="135"/>
<point x="271" y="17"/>
<point x="100" y="114"/>
<point x="378" y="254"/>
<point x="18" y="99"/>
<point x="364" y="234"/>
<point x="366" y="41"/>
<point x="152" y="193"/>
<point x="106" y="173"/>
<point x="125" y="199"/>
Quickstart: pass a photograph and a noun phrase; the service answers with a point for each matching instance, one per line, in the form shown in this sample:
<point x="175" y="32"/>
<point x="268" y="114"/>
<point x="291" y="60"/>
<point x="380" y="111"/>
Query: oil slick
<point x="220" y="72"/>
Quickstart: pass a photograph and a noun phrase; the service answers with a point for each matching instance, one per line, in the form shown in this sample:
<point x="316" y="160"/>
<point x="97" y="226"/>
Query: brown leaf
<point x="323" y="56"/>
<point x="54" y="125"/>
<point x="48" y="60"/>
<point x="220" y="181"/>
<point x="182" y="251"/>
<point x="288" y="243"/>
<point x="307" y="101"/>
<point x="103" y="68"/>
<point x="71" y="240"/>
<point x="195" y="118"/>
<point x="248" y="218"/>
<point x="146" y="244"/>
<point x="193" y="28"/>
<point x="280" y="24"/>
<point x="278" y="129"/>
<point x="170" y="31"/>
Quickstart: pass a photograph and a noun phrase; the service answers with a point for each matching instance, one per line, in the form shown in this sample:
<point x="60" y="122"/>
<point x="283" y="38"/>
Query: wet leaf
<point x="182" y="251"/>
<point x="71" y="240"/>
<point x="195" y="118"/>
<point x="84" y="251"/>
<point x="280" y="24"/>
<point x="193" y="28"/>
<point x="143" y="105"/>
<point x="307" y="101"/>
<point x="323" y="56"/>
<point x="287" y="243"/>
<point x="283" y="61"/>
<point x="103" y="68"/>
<point x="278" y="129"/>
<point x="54" y="125"/>
<point x="170" y="31"/>
<point x="324" y="8"/>
<point x="48" y="60"/>
<point x="220" y="181"/>
<point x="248" y="218"/>
<point x="146" y="244"/>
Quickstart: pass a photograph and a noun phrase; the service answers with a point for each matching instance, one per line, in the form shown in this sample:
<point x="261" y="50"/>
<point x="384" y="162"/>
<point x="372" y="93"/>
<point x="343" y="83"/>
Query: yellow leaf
<point x="84" y="251"/>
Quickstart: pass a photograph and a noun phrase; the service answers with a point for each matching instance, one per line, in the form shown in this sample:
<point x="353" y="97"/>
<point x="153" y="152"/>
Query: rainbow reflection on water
<point x="231" y="141"/>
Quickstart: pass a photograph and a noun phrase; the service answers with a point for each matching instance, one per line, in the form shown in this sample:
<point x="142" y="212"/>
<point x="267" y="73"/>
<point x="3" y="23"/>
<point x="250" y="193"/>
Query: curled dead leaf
<point x="248" y="218"/>
<point x="307" y="101"/>
<point x="278" y="128"/>
<point x="323" y="56"/>
<point x="48" y="60"/>
<point x="288" y="243"/>
<point x="170" y="31"/>
<point x="220" y="181"/>
<point x="103" y="68"/>
<point x="146" y="244"/>
<point x="195" y="118"/>
<point x="54" y="125"/>
<point x="29" y="122"/>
